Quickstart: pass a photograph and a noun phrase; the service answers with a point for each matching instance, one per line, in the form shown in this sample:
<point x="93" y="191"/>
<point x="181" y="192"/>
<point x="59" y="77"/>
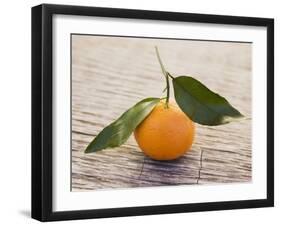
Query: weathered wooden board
<point x="109" y="75"/>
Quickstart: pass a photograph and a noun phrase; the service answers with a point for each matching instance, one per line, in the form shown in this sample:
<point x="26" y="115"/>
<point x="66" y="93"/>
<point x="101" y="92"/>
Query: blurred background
<point x="110" y="74"/>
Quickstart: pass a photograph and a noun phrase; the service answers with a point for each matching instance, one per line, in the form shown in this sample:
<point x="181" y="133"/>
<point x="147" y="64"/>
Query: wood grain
<point x="110" y="74"/>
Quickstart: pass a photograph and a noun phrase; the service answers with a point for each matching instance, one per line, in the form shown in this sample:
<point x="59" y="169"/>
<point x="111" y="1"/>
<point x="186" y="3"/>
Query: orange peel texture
<point x="166" y="133"/>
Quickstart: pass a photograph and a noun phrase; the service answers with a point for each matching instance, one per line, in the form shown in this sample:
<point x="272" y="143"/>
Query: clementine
<point x="166" y="133"/>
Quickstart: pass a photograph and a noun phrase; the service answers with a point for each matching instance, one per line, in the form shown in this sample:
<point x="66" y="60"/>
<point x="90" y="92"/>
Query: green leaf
<point x="202" y="105"/>
<point x="119" y="131"/>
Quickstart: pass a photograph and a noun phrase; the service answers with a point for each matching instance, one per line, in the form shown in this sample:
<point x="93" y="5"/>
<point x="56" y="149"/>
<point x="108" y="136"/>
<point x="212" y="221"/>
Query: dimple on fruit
<point x="166" y="133"/>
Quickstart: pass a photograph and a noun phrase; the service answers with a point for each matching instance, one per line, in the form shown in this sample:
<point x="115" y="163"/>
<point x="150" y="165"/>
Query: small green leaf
<point x="119" y="131"/>
<point x="202" y="105"/>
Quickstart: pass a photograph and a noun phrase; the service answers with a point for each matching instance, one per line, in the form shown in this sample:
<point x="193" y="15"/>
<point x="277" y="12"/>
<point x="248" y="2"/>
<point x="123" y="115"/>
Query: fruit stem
<point x="166" y="74"/>
<point x="170" y="75"/>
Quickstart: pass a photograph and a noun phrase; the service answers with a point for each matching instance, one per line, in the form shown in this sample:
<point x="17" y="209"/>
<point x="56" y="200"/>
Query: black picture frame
<point x="42" y="111"/>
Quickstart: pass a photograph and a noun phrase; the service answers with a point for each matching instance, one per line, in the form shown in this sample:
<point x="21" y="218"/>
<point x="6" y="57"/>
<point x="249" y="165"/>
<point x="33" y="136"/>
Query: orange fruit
<point x="166" y="133"/>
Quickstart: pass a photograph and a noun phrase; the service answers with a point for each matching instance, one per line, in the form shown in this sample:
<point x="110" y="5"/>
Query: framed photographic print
<point x="145" y="112"/>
